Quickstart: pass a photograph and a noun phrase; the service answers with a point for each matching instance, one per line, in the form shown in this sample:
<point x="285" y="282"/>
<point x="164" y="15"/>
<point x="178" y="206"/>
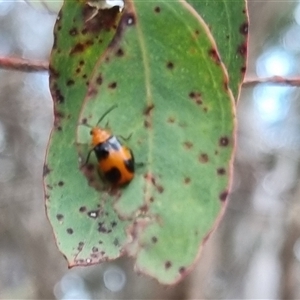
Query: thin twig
<point x="23" y="65"/>
<point x="275" y="79"/>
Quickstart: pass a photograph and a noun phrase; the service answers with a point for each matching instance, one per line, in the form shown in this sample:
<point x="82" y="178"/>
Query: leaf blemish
<point x="203" y="158"/>
<point x="154" y="239"/>
<point x="196" y="96"/>
<point x="129" y="19"/>
<point x="70" y="82"/>
<point x="78" y="48"/>
<point x="170" y="65"/>
<point x="82" y="209"/>
<point x="243" y="70"/>
<point x="171" y="120"/>
<point x="70" y="231"/>
<point x="224" y="141"/>
<point x="214" y="55"/>
<point x="73" y="31"/>
<point x="244" y="28"/>
<point x="80" y="246"/>
<point x="187" y="180"/>
<point x="182" y="270"/>
<point x="61" y="183"/>
<point x="120" y="52"/>
<point x="46" y="170"/>
<point x="148" y="109"/>
<point x="99" y="79"/>
<point x="95" y="249"/>
<point x="223" y="196"/>
<point x="168" y="264"/>
<point x="157" y="9"/>
<point x="188" y="145"/>
<point x="101" y="227"/>
<point x="59" y="217"/>
<point x="242" y="49"/>
<point x="112" y="85"/>
<point x="221" y="171"/>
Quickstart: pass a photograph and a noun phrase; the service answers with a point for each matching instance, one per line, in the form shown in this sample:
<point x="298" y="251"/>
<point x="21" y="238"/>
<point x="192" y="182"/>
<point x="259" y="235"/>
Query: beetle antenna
<point x="107" y="112"/>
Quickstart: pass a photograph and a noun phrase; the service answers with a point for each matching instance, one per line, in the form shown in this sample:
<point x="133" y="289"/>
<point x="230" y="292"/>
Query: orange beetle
<point x="115" y="161"/>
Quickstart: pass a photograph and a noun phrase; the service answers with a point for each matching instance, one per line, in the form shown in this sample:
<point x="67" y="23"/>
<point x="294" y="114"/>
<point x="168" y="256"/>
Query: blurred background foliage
<point x="255" y="253"/>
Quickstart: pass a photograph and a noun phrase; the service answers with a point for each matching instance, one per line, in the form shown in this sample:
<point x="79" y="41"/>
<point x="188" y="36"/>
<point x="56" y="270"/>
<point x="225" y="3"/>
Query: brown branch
<point x="275" y="79"/>
<point x="23" y="65"/>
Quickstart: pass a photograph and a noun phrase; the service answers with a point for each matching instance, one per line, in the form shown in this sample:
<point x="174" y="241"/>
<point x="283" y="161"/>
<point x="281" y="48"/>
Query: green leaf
<point x="164" y="73"/>
<point x="228" y="22"/>
<point x="86" y="227"/>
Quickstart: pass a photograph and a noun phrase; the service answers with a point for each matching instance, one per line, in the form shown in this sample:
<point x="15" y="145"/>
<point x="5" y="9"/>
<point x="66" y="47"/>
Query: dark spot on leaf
<point x="78" y="48"/>
<point x="227" y="37"/>
<point x="46" y="170"/>
<point x="113" y="224"/>
<point x="244" y="28"/>
<point x="84" y="76"/>
<point x="120" y="52"/>
<point x="93" y="214"/>
<point x="59" y="217"/>
<point x="82" y="209"/>
<point x="214" y="55"/>
<point x="129" y="19"/>
<point x="73" y="31"/>
<point x="95" y="249"/>
<point x="148" y="109"/>
<point x="81" y="62"/>
<point x="144" y="209"/>
<point x="242" y="49"/>
<point x="188" y="145"/>
<point x="216" y="152"/>
<point x="151" y="199"/>
<point x="61" y="183"/>
<point x="80" y="246"/>
<point x="171" y="120"/>
<point x="112" y="85"/>
<point x="58" y="97"/>
<point x="160" y="189"/>
<point x="203" y="158"/>
<point x="147" y="124"/>
<point x="196" y="97"/>
<point x="116" y="242"/>
<point x="170" y="65"/>
<point x="221" y="171"/>
<point x="226" y="87"/>
<point x="59" y="128"/>
<point x="223" y="195"/>
<point x="99" y="79"/>
<point x="181" y="270"/>
<point x="243" y="69"/>
<point x="101" y="227"/>
<point x="100" y="242"/>
<point x="224" y="141"/>
<point x="70" y="231"/>
<point x="168" y="264"/>
<point x="78" y="70"/>
<point x="70" y="82"/>
<point x="92" y="91"/>
<point x="157" y="9"/>
<point x="154" y="239"/>
<point x="197" y="32"/>
<point x="187" y="180"/>
<point x="244" y="11"/>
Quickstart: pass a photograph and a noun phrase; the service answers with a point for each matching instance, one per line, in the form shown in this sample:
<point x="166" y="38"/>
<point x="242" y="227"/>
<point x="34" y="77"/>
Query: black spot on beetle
<point x="224" y="141"/>
<point x="113" y="175"/>
<point x="244" y="28"/>
<point x="70" y="231"/>
<point x="112" y="85"/>
<point x="157" y="9"/>
<point x="168" y="264"/>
